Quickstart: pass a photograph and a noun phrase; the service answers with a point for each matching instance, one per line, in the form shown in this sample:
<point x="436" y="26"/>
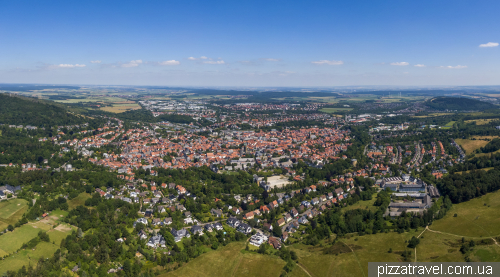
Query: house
<point x="284" y="236"/>
<point x="244" y="228"/>
<point x="288" y="217"/>
<point x="294" y="212"/>
<point x="216" y="212"/>
<point x="197" y="230"/>
<point x="167" y="221"/>
<point x="188" y="220"/>
<point x="142" y="235"/>
<point x="339" y="191"/>
<point x="208" y="227"/>
<point x="303" y="220"/>
<point x="156" y="241"/>
<point x="161" y="209"/>
<point x="274" y="242"/>
<point x="179" y="234"/>
<point x="217" y="226"/>
<point x="237" y="210"/>
<point x="141" y="220"/>
<point x="267" y="227"/>
<point x="315" y="201"/>
<point x="233" y="222"/>
<point x="156" y="221"/>
<point x="281" y="222"/>
<point x="330" y="195"/>
<point x="264" y="209"/>
<point x="180" y="189"/>
<point x="148" y="213"/>
<point x="257" y="239"/>
<point x="187" y="214"/>
<point x="249" y="215"/>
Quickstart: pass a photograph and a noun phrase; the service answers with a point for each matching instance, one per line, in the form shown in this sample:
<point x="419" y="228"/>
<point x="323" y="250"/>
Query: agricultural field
<point x="28" y="257"/>
<point x="11" y="211"/>
<point x="334" y="110"/>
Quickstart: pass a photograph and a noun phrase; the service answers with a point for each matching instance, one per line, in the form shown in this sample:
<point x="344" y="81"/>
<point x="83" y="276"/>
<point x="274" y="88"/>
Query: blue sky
<point x="250" y="43"/>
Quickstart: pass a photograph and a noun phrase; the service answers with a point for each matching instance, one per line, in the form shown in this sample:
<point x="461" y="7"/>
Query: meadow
<point x="11" y="211"/>
<point x="334" y="110"/>
<point x="476" y="219"/>
<point x="481" y="121"/>
<point x="471" y="145"/>
<point x="79" y="200"/>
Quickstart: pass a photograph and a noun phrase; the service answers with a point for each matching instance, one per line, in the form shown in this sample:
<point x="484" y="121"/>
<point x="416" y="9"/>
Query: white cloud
<point x="170" y="62"/>
<point x="70" y="65"/>
<point x="97" y="61"/>
<point x="419" y="65"/>
<point x="400" y="63"/>
<point x="272" y="60"/>
<point x="454" y="67"/>
<point x="192" y="58"/>
<point x="328" y="62"/>
<point x="133" y="63"/>
<point x="489" y="44"/>
<point x="203" y="58"/>
<point x="214" y="62"/>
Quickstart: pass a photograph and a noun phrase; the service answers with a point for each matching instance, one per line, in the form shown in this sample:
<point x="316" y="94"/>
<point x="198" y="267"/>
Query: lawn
<point x="79" y="200"/>
<point x="475" y="218"/>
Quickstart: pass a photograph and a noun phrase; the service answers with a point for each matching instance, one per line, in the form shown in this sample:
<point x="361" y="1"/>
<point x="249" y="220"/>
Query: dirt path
<point x="359" y="263"/>
<point x="305" y="270"/>
<point x="236" y="267"/>
<point x="443" y="233"/>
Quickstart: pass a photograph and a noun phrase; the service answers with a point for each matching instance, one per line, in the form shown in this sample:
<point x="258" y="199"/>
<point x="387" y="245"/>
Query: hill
<point x="458" y="104"/>
<point x="31" y="111"/>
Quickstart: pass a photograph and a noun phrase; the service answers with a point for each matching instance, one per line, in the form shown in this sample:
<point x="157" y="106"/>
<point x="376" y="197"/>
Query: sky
<point x="250" y="43"/>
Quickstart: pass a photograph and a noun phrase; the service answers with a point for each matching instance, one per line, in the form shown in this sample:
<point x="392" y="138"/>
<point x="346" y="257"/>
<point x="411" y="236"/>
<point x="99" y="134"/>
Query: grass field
<point x="120" y="108"/>
<point x="475" y="218"/>
<point x="470" y="145"/>
<point x="333" y="110"/>
<point x="79" y="200"/>
<point x="230" y="261"/>
<point x="485" y="169"/>
<point x="482" y="121"/>
<point x="351" y="254"/>
<point x="11" y="211"/>
<point x="363" y="204"/>
<point x="27" y="257"/>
